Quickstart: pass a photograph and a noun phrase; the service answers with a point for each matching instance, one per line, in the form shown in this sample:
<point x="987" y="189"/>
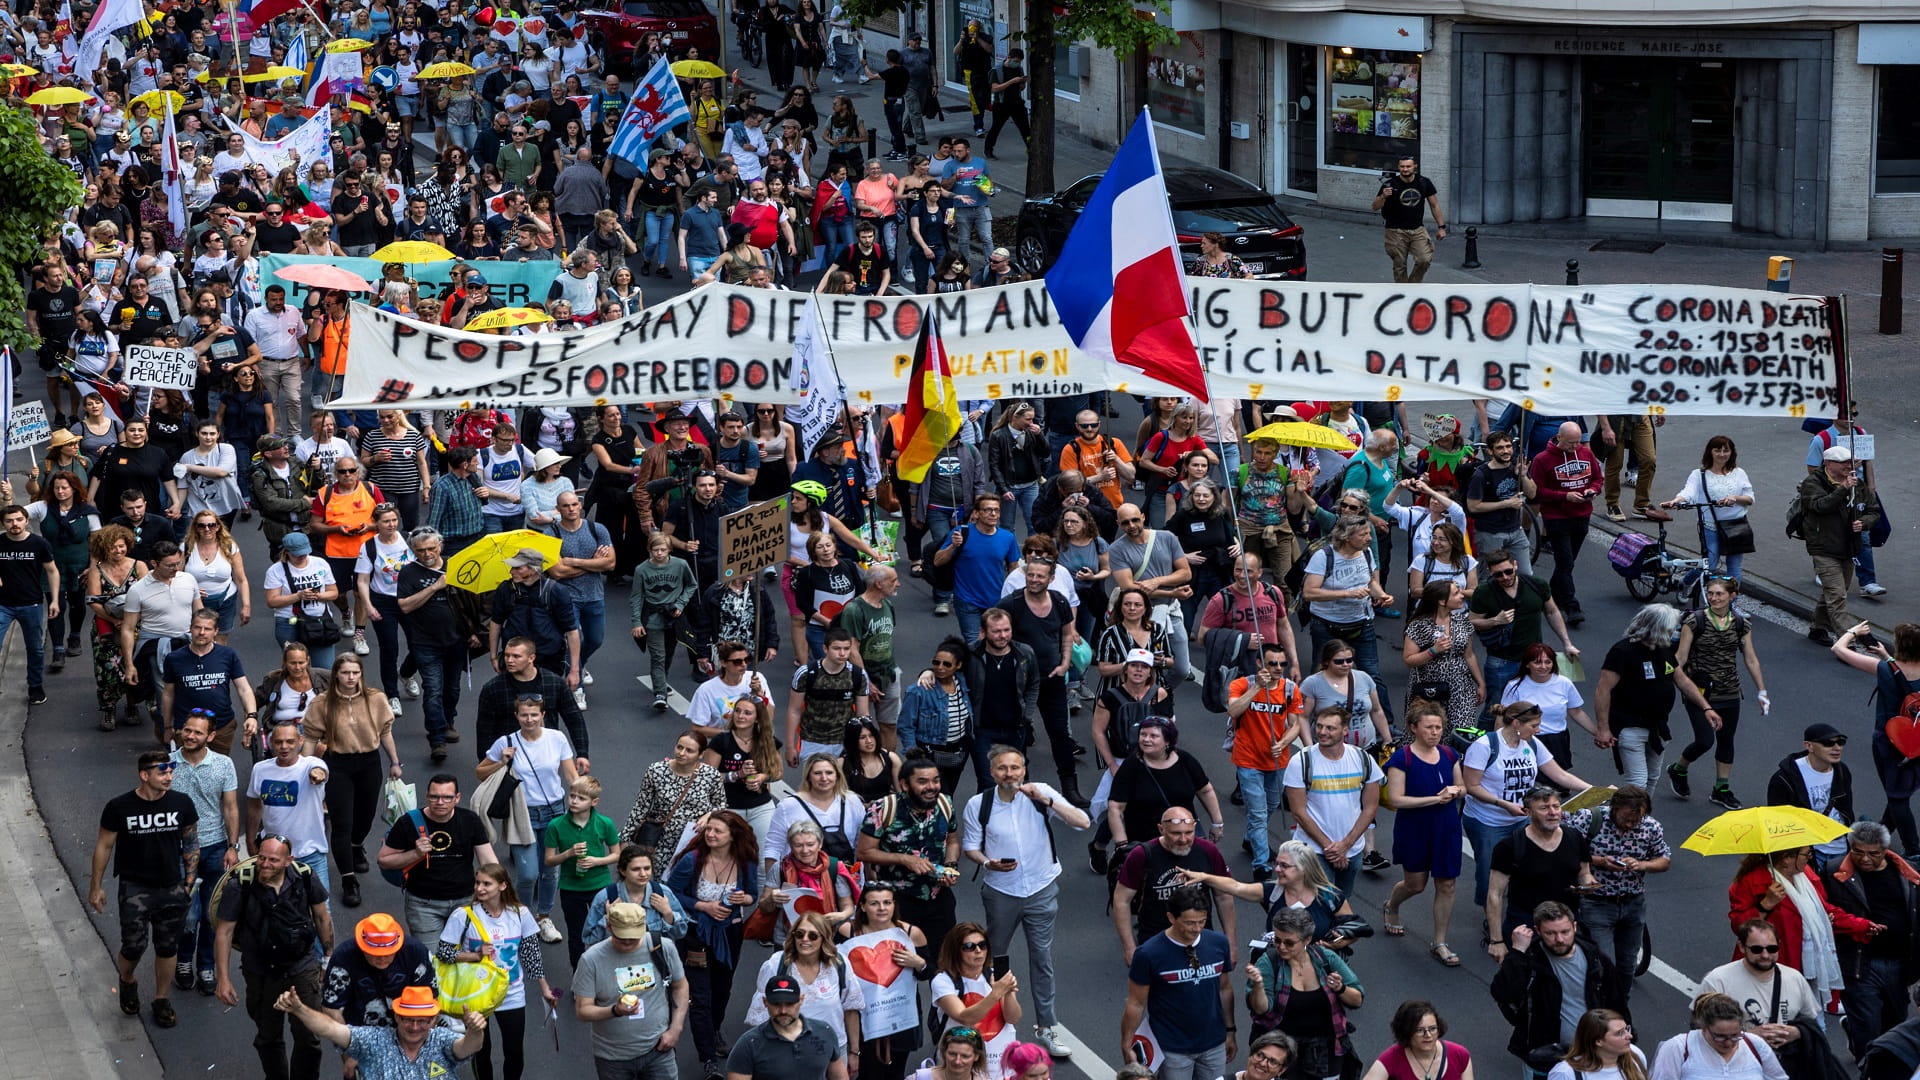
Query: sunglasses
<point x="805" y="935"/>
<point x="1763" y="948"/>
<point x="1088" y="427"/>
<point x="941" y="663"/>
<point x="974" y="946"/>
<point x="164" y="766"/>
<point x="345" y="472"/>
<point x="1508" y="572"/>
<point x="1343" y="661"/>
<point x="1837" y="740"/>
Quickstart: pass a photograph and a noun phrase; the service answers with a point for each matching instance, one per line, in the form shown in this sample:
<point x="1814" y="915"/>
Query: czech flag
<point x="1119" y="285"/>
<point x="932" y="415"/>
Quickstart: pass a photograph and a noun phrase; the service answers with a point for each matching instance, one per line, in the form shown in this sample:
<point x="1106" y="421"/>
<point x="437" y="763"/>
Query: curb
<point x="58" y="942"/>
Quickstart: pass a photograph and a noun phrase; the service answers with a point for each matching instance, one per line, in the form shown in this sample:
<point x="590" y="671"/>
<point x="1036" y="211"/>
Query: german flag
<point x="932" y="415"/>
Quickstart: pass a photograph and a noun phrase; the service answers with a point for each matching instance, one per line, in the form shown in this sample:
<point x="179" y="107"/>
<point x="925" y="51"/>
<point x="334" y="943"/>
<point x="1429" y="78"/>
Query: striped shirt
<point x="400" y="474"/>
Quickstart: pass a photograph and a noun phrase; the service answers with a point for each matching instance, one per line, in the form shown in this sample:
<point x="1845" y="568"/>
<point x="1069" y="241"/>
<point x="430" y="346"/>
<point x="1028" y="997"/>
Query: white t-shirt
<point x="1507" y="778"/>
<point x="943" y="985"/>
<point x="1797" y="1001"/>
<point x="328" y="452"/>
<point x="1334" y="796"/>
<point x="537" y="763"/>
<point x="284" y="575"/>
<point x="713" y="702"/>
<point x="1555" y="697"/>
<point x="1820" y="801"/>
<point x="384" y="568"/>
<point x="291" y="803"/>
<point x="504" y="473"/>
<point x="165" y="607"/>
<point x="1564" y="1071"/>
<point x="1419" y="521"/>
<point x="505" y="932"/>
<point x="1753" y="1060"/>
<point x="826" y="999"/>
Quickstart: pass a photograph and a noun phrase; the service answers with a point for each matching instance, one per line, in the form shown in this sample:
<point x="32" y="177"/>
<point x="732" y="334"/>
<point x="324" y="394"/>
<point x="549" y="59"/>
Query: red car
<point x="624" y="25"/>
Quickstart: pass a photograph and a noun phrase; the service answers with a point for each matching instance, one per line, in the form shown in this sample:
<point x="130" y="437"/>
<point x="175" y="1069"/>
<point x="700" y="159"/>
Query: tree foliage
<point x="35" y="191"/>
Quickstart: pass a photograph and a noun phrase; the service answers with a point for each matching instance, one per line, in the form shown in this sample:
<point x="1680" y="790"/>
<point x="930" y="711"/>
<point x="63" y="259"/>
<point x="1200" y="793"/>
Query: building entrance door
<point x="1299" y="112"/>
<point x="1658" y="138"/>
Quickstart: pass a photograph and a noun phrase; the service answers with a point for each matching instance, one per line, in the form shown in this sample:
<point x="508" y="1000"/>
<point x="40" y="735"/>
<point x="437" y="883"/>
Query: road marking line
<point x="1084" y="1059"/>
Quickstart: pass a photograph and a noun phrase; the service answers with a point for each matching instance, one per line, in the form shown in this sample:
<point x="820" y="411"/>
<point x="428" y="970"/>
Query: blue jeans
<point x="593" y="627"/>
<point x="816" y="641"/>
<point x="1874" y="1001"/>
<point x="839" y="237"/>
<point x="1228" y="471"/>
<point x="537" y="883"/>
<point x="1498" y="674"/>
<point x="320" y="863"/>
<point x="700" y="264"/>
<point x="1712" y="540"/>
<point x="1344" y="878"/>
<point x="969" y="618"/>
<point x="940" y="526"/>
<point x="196" y="944"/>
<point x="1863" y="565"/>
<point x="1261" y="790"/>
<point x="439" y="686"/>
<point x="499" y="523"/>
<point x="1482" y="837"/>
<point x="970" y="224"/>
<point x="283" y="632"/>
<point x="1366" y="653"/>
<point x="1024" y="495"/>
<point x="1616" y="924"/>
<point x="463" y="135"/>
<point x="1194" y="1066"/>
<point x="33" y="628"/>
<point x="659" y="224"/>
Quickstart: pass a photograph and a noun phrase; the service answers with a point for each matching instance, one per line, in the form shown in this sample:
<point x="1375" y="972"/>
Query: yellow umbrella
<point x="502" y="318"/>
<point x="153" y="99"/>
<point x="16" y="71"/>
<point x="349" y="44"/>
<point x="59" y="95"/>
<point x="699" y="69"/>
<point x="1763" y="829"/>
<point x="481" y="566"/>
<point x="276" y="73"/>
<point x="446" y="69"/>
<point x="1295" y="433"/>
<point x="412" y="251"/>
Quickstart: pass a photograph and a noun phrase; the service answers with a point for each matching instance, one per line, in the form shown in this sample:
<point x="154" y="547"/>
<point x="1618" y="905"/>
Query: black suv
<point x="1204" y="200"/>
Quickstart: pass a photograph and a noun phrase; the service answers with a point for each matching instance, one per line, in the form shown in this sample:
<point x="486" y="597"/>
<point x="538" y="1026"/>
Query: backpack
<point x="276" y="941"/>
<point x="1797" y="517"/>
<point x="987" y="799"/>
<point x="1297" y="574"/>
<point x="1123" y="727"/>
<point x="398" y="878"/>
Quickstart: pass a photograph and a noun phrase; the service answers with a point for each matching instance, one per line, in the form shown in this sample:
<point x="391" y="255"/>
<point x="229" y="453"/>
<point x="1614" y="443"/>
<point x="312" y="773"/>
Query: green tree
<point x="1121" y="27"/>
<point x="39" y="190"/>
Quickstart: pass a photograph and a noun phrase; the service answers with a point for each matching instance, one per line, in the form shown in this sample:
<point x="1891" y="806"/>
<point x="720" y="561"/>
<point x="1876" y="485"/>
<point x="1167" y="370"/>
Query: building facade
<point x="1787" y="120"/>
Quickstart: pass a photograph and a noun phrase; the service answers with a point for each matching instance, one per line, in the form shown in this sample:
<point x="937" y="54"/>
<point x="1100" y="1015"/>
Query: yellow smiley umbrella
<point x="412" y="251"/>
<point x="59" y="95"/>
<point x="349" y="44"/>
<point x="699" y="69"/>
<point x="1295" y="433"/>
<point x="505" y="318"/>
<point x="275" y="74"/>
<point x="481" y="566"/>
<point x="446" y="69"/>
<point x="155" y="100"/>
<point x="1763" y="829"/>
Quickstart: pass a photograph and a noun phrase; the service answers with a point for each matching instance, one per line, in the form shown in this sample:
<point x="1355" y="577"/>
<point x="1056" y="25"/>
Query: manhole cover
<point x="1637" y="247"/>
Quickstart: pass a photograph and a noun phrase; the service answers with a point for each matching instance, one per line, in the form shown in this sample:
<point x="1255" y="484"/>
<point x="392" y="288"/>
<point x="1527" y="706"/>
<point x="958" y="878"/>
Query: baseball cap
<point x="527" y="557"/>
<point x="379" y="935"/>
<point x="272" y="442"/>
<point x="296" y="543"/>
<point x="1836" y="453"/>
<point x="1819" y="732"/>
<point x="627" y="921"/>
<point x="1140" y="656"/>
<point x="781" y="989"/>
<point x="416" y="1001"/>
<point x="476" y="279"/>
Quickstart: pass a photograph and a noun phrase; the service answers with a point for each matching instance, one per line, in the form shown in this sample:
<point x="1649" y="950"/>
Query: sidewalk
<point x="59" y="1016"/>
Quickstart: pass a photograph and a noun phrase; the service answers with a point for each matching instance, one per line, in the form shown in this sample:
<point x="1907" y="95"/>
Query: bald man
<point x="1569" y="479"/>
<point x="1153" y="870"/>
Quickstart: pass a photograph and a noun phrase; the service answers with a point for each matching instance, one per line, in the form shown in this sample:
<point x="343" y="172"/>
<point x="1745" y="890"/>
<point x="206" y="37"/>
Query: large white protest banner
<point x="297" y="149"/>
<point x="1647" y="349"/>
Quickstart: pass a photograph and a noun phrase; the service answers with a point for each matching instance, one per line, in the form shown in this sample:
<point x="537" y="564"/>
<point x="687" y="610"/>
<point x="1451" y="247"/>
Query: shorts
<point x="159" y="911"/>
<point x="343" y="575"/>
<point x="227" y="608"/>
<point x="407" y="105"/>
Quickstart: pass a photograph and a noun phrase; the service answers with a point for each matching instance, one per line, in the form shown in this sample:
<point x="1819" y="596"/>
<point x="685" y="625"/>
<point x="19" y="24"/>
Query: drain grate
<point x="1636" y="247"/>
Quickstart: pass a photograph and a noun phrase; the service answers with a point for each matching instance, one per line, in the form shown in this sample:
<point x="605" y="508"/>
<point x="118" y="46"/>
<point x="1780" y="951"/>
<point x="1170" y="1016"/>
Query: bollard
<point x="1892" y="266"/>
<point x="1473" y="250"/>
<point x="1779" y="273"/>
<point x="873" y="142"/>
<point x="1573" y="271"/>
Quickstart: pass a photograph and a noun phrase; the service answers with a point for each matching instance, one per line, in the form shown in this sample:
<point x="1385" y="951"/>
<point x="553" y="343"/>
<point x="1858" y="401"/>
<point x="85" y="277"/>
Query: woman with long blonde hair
<point x="219" y="570"/>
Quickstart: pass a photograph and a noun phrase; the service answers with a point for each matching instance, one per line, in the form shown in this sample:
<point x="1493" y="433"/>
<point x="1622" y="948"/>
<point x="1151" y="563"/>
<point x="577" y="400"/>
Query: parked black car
<point x="1203" y="200"/>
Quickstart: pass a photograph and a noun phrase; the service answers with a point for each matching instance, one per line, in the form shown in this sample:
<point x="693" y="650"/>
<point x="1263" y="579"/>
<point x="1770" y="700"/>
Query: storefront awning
<point x="1399" y="33"/>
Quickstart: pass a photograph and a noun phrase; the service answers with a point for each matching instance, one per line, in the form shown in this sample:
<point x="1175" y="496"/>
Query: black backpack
<point x="275" y="938"/>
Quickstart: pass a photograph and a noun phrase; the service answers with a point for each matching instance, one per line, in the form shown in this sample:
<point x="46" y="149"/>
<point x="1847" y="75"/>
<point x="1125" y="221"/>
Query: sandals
<point x="915" y="569"/>
<point x="1445" y="955"/>
<point x="1392" y="928"/>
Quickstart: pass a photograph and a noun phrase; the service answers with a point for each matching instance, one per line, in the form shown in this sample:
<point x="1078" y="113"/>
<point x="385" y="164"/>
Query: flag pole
<point x="873" y="527"/>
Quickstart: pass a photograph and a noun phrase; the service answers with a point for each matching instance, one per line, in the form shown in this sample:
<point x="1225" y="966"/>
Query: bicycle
<point x="1650" y="569"/>
<point x="747" y="37"/>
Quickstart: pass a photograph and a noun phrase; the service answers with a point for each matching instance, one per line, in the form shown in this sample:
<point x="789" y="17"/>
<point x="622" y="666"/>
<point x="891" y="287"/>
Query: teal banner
<point x="514" y="283"/>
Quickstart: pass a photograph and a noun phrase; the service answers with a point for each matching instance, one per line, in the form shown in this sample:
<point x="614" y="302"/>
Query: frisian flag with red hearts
<point x="1119" y="285"/>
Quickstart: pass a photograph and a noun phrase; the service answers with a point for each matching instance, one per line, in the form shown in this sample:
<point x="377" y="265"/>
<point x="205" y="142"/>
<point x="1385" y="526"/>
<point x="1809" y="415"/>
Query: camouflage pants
<point x="158" y="912"/>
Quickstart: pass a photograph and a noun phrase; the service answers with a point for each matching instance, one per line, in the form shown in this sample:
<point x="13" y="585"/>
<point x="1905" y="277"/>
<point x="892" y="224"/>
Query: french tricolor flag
<point x="1118" y="284"/>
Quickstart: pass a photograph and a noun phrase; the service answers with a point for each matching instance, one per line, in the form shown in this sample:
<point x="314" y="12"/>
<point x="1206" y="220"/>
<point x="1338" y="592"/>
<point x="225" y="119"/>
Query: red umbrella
<point x="325" y="276"/>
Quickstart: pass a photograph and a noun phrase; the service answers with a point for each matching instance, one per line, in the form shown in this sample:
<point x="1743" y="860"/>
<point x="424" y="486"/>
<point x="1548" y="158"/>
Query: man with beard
<point x="1043" y="621"/>
<point x="275" y="909"/>
<point x="1775" y="998"/>
<point x="586" y="555"/>
<point x="911" y="841"/>
<point x="1154" y="869"/>
<point x="1544" y="992"/>
<point x="366" y="973"/>
<point x="693" y="527"/>
<point x="1496" y="497"/>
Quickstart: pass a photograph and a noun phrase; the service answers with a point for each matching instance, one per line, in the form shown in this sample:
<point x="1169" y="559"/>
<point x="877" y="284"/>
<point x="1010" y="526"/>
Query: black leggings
<point x="710" y="989"/>
<point x="872" y="1068"/>
<point x="1704" y="736"/>
<point x="512" y="1025"/>
<point x="353" y="796"/>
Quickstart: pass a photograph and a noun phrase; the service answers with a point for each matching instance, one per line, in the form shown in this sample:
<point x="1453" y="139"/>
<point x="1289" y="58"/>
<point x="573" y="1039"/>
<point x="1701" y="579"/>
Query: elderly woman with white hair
<point x="1638" y="682"/>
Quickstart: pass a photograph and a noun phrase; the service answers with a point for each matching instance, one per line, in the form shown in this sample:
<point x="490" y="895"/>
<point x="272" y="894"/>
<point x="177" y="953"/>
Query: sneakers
<point x="349" y="890"/>
<point x="1875" y="590"/>
<point x="208" y="984"/>
<point x="713" y="1069"/>
<point x="1374" y="862"/>
<point x="360" y="645"/>
<point x="1677" y="780"/>
<point x="410" y="687"/>
<point x="1724" y="796"/>
<point x="943" y="608"/>
<point x="550" y="933"/>
<point x="107" y="722"/>
<point x="1051" y="1042"/>
<point x="37" y="695"/>
<point x="580" y="699"/>
<point x="1097" y="858"/>
<point x="1613" y="512"/>
<point x="659" y="703"/>
<point x="394" y="704"/>
<point x="586" y="677"/>
<point x="183" y="975"/>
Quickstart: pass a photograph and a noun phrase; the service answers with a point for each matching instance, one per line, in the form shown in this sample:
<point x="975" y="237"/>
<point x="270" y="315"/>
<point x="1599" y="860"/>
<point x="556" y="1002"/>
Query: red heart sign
<point x="804" y="904"/>
<point x="989" y="1025"/>
<point x="875" y="965"/>
<point x="1904" y="733"/>
<point x="503" y="27"/>
<point x="534" y="27"/>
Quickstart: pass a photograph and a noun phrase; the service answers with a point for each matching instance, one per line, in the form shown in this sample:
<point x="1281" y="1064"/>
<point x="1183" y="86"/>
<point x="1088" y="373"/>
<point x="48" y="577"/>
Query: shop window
<point x="1896" y="144"/>
<point x="1373" y="108"/>
<point x="1177" y="83"/>
<point x="959" y="14"/>
<point x="1063" y="81"/>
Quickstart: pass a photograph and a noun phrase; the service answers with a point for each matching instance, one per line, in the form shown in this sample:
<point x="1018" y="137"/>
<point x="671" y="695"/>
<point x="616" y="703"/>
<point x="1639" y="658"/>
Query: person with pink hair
<point x="1026" y="1061"/>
